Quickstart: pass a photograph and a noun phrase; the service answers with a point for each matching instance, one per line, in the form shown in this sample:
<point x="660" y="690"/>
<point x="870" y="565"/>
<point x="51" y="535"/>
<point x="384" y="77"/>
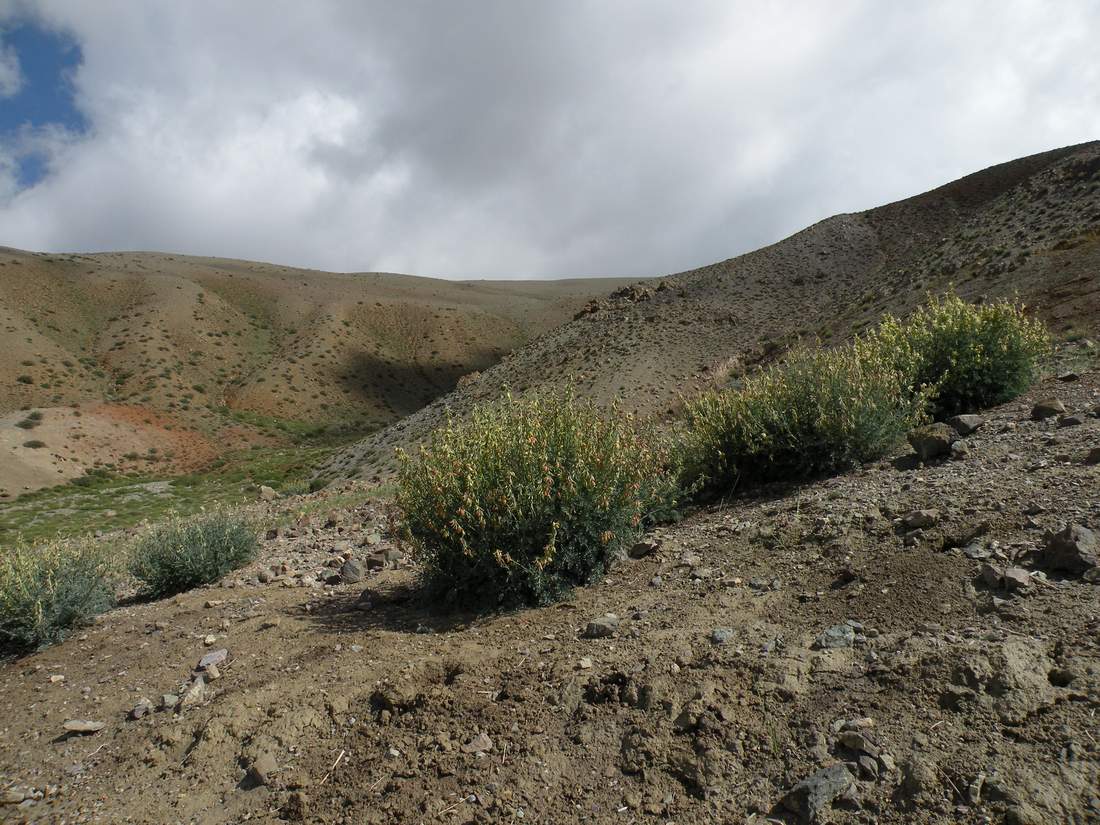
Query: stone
<point x="392" y="557"/>
<point x="966" y="424"/>
<point x="263" y="769"/>
<point x="810" y="798"/>
<point x="643" y="548"/>
<point x="602" y="627"/>
<point x="214" y="657"/>
<point x="1075" y="420"/>
<point x="479" y="744"/>
<point x="376" y="561"/>
<point x="212" y="673"/>
<point x="144" y="706"/>
<point x="1067" y="377"/>
<point x="933" y="440"/>
<point x="721" y="635"/>
<point x="1016" y="578"/>
<point x="1047" y="408"/>
<point x="836" y="637"/>
<point x="12" y="797"/>
<point x="83" y="726"/>
<point x="1093" y="456"/>
<point x="267" y="493"/>
<point x="194" y="694"/>
<point x="265" y="577"/>
<point x="168" y="701"/>
<point x="585" y="663"/>
<point x="920" y="519"/>
<point x="1073" y="549"/>
<point x="352" y="571"/>
<point x="858" y="742"/>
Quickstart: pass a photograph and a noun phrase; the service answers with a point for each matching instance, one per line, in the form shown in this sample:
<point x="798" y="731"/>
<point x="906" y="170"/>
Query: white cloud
<point x="11" y="78"/>
<point x="535" y="139"/>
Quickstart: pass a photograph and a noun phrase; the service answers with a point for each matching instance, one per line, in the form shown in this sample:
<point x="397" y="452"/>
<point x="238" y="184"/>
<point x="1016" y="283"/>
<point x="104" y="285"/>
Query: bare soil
<point x="956" y="701"/>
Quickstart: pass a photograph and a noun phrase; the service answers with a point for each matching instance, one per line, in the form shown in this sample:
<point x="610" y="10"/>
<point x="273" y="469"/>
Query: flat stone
<point x="1016" y="578"/>
<point x="836" y="637"/>
<point x="83" y="726"/>
<point x="214" y="657"/>
<point x="813" y="795"/>
<point x="602" y="627"/>
<point x="966" y="424"/>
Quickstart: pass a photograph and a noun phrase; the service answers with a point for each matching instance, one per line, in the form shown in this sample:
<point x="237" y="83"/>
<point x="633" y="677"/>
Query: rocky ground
<point x="912" y="643"/>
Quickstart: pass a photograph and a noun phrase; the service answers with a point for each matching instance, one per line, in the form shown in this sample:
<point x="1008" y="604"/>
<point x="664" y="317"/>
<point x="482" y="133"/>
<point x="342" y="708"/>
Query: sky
<point x="512" y="138"/>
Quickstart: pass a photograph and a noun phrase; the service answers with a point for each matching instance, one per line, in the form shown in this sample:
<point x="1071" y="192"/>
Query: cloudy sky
<point x="511" y="138"/>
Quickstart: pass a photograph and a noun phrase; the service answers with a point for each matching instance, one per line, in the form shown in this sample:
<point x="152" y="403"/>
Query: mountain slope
<point x="1029" y="227"/>
<point x="188" y="356"/>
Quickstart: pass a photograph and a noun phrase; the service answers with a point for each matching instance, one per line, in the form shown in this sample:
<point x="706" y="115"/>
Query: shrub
<point x="969" y="356"/>
<point x="179" y="555"/>
<point x="530" y="498"/>
<point x="48" y="590"/>
<point x="817" y="412"/>
<point x="34" y="444"/>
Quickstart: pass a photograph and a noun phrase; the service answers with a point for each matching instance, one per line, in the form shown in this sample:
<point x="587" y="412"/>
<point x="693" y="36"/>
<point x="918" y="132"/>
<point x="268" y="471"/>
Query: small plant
<point x="818" y="412"/>
<point x="530" y="498"/>
<point x="968" y="356"/>
<point x="181" y="555"/>
<point x="48" y="590"/>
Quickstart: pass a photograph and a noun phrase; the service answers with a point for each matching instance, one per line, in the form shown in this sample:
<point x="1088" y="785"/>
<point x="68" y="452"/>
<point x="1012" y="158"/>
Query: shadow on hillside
<point x="408" y="386"/>
<point x="394" y="607"/>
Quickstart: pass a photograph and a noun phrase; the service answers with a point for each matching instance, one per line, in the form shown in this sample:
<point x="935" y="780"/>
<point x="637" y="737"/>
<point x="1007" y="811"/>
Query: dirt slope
<point x="808" y="632"/>
<point x="1030" y="227"/>
<point x="218" y="348"/>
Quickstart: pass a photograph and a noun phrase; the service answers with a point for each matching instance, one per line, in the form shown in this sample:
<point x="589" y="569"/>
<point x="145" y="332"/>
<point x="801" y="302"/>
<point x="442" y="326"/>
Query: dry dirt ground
<point x="806" y="632"/>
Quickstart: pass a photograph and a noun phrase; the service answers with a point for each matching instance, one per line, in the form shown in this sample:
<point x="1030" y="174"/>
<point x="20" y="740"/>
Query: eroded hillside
<point x="155" y="362"/>
<point x="1029" y="228"/>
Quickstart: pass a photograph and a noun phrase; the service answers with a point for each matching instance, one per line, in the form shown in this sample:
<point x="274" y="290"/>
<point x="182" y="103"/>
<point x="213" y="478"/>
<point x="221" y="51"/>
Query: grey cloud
<point x="512" y="139"/>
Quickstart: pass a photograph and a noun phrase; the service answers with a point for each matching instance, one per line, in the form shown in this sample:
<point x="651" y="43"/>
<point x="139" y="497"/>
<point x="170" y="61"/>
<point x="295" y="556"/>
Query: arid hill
<point x="1030" y="227"/>
<point x="147" y="360"/>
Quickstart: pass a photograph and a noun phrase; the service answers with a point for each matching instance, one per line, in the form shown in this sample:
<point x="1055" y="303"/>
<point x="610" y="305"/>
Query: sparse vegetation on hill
<point x="968" y="356"/>
<point x="49" y="589"/>
<point x="179" y="555"/>
<point x="531" y="498"/>
<point x="818" y="412"/>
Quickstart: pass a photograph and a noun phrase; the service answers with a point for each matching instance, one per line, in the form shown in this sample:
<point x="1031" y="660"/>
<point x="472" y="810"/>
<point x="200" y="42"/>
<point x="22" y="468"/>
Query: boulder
<point x="1073" y="549"/>
<point x="966" y="424"/>
<point x="1047" y="408"/>
<point x="352" y="571"/>
<point x="933" y="440"/>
